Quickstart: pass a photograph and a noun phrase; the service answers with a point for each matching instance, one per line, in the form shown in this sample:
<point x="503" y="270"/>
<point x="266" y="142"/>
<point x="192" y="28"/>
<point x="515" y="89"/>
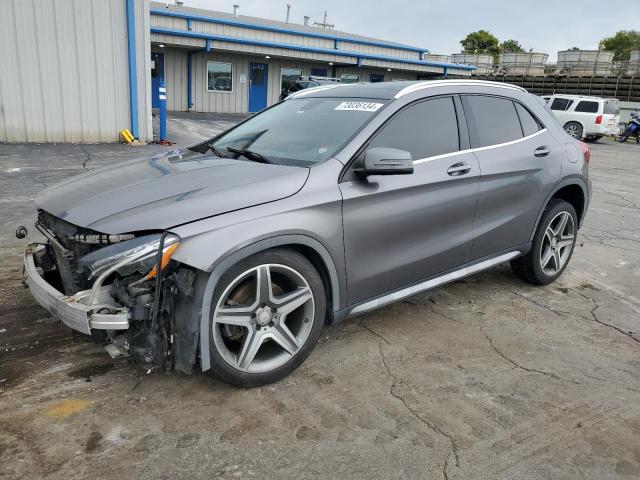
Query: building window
<point x="349" y="78"/>
<point x="288" y="76"/>
<point x="219" y="77"/>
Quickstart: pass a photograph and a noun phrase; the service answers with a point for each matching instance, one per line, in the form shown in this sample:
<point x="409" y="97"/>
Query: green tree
<point x="621" y="44"/>
<point x="481" y="42"/>
<point x="511" y="46"/>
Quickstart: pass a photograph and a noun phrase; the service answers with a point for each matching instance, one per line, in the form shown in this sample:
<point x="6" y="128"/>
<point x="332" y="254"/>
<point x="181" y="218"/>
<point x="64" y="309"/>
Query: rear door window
<point x="494" y="120"/>
<point x="425" y="129"/>
<point x="587" y="107"/>
<point x="530" y="124"/>
<point x="561" y="104"/>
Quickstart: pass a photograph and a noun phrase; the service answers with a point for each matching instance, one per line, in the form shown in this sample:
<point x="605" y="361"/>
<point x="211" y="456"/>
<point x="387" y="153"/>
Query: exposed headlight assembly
<point x="137" y="256"/>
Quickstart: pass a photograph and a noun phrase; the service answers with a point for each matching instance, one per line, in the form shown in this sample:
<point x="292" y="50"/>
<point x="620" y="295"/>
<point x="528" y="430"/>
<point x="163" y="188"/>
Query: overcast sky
<point x="544" y="25"/>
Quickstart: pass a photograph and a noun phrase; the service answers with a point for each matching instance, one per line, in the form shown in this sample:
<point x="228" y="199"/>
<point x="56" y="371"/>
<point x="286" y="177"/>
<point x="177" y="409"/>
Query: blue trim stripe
<point x="235" y="23"/>
<point x="327" y="51"/>
<point x="133" y="74"/>
<point x="189" y="79"/>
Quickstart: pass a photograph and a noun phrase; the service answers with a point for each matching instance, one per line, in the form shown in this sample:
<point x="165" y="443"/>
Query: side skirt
<point x="429" y="284"/>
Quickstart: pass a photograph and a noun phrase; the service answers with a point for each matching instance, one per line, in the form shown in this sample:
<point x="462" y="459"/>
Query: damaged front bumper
<point x="84" y="311"/>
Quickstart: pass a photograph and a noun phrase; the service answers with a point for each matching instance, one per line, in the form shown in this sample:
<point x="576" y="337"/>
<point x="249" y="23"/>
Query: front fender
<point x="311" y="218"/>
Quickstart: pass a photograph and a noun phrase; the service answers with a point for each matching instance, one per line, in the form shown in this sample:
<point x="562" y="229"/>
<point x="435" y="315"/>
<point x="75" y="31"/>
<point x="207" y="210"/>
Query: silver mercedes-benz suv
<point x="234" y="253"/>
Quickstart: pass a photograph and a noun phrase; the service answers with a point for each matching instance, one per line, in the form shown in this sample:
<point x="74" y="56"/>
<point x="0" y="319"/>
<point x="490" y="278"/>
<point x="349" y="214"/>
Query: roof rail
<point x="439" y="83"/>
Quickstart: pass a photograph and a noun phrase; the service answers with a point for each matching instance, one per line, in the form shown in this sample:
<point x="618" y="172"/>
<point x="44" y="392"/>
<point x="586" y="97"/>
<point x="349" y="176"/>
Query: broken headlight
<point x="137" y="256"/>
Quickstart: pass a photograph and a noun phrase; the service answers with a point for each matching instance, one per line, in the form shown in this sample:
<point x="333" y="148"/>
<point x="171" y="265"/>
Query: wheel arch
<point x="308" y="246"/>
<point x="572" y="190"/>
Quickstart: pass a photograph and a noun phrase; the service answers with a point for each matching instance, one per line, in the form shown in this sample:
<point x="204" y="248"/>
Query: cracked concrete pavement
<point x="485" y="378"/>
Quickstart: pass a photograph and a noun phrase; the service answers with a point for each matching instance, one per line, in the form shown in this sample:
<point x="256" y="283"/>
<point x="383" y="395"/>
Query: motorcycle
<point x="633" y="129"/>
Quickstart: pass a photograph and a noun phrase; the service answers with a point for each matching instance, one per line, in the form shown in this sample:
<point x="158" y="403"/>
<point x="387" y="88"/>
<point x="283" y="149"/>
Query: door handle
<point x="459" y="169"/>
<point x="542" y="151"/>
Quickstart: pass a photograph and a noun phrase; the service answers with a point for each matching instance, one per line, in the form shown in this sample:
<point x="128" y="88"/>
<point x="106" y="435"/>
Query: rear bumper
<point x="602" y="130"/>
<point x="84" y="311"/>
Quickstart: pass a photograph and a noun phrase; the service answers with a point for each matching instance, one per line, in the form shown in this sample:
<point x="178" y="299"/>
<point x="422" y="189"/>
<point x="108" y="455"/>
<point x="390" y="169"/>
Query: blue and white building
<point x="81" y="71"/>
<point x="227" y="62"/>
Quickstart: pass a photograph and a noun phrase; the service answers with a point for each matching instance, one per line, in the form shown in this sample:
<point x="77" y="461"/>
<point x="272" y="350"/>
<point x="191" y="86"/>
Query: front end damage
<point x="108" y="287"/>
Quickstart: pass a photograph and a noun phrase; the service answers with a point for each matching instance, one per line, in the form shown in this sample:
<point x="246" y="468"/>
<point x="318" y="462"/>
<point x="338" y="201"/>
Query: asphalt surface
<point x="486" y="378"/>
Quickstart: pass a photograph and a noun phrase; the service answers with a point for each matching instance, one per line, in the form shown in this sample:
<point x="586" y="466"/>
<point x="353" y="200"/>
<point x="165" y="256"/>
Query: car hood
<point x="166" y="190"/>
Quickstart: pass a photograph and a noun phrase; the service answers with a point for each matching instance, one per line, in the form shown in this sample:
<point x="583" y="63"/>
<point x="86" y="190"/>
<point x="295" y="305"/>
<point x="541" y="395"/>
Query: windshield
<point x="299" y="132"/>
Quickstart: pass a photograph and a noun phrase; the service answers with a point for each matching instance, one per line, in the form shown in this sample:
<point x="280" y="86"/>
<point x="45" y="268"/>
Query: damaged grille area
<point x="160" y="326"/>
<point x="68" y="243"/>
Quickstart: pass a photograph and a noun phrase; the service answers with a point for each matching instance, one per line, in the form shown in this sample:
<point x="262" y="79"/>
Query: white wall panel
<point x="64" y="75"/>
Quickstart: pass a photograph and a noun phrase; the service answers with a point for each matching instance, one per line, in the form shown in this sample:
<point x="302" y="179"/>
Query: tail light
<point x="585" y="152"/>
<point x="598" y="119"/>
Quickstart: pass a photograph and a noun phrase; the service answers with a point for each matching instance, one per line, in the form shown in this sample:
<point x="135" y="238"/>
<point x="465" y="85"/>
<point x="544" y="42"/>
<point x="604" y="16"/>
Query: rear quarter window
<point x="587" y="107"/>
<point x="530" y="124"/>
<point x="611" y="108"/>
<point x="494" y="120"/>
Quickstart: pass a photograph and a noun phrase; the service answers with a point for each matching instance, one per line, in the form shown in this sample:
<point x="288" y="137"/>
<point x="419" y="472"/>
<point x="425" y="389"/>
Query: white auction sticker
<point x="359" y="106"/>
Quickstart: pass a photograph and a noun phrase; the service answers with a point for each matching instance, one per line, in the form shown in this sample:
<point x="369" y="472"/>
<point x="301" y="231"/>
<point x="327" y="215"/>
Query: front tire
<point x="268" y="312"/>
<point x="552" y="246"/>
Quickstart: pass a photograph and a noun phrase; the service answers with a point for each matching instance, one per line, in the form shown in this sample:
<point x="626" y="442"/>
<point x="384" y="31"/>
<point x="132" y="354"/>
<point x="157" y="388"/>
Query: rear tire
<point x="574" y="129"/>
<point x="268" y="311"/>
<point x="552" y="245"/>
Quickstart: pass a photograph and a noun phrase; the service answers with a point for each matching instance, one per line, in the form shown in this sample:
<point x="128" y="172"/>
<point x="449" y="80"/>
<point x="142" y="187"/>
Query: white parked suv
<point x="590" y="118"/>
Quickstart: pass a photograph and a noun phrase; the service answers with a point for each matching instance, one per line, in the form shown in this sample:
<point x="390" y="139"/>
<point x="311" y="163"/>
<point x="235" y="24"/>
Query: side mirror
<point x="386" y="161"/>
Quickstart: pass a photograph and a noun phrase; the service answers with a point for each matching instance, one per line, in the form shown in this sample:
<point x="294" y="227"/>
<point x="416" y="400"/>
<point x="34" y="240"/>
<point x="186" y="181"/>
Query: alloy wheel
<point x="557" y="243"/>
<point x="263" y="318"/>
<point x="573" y="131"/>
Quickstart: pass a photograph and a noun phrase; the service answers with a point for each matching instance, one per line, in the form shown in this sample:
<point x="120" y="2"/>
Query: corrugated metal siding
<point x="277" y="37"/>
<point x="237" y="47"/>
<point x="65" y="70"/>
<point x="237" y="101"/>
<point x="143" y="61"/>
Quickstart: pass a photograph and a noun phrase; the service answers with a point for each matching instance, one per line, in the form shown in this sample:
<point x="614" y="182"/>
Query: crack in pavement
<point x="613" y="234"/>
<point x="520" y="366"/>
<point x="517" y="365"/>
<point x="432" y="426"/>
<point x="595" y="318"/>
<point x="601" y="241"/>
<point x="374" y="333"/>
<point x="617" y="329"/>
<point x="87" y="154"/>
<point x="593" y="312"/>
<point x="620" y="196"/>
<point x="512" y="362"/>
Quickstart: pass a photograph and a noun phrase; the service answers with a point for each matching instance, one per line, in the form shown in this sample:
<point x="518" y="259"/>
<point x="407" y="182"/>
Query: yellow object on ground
<point x="125" y="136"/>
<point x="67" y="407"/>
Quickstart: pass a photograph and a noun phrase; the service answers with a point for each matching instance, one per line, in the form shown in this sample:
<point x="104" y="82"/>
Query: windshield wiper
<point x="217" y="152"/>
<point x="251" y="155"/>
